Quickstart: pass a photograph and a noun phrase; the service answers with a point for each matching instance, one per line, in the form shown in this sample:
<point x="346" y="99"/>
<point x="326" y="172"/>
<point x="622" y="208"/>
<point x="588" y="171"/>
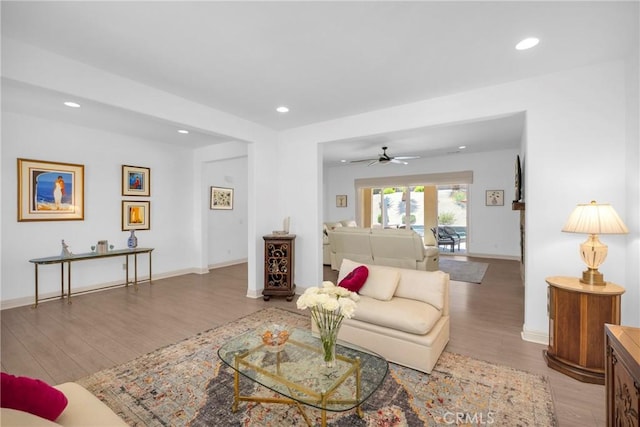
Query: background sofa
<point x="391" y="247"/>
<point x="326" y="252"/>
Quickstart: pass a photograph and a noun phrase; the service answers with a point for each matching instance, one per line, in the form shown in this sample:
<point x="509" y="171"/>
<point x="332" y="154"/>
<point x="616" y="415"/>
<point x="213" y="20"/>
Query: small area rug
<point x="463" y="271"/>
<point x="187" y="384"/>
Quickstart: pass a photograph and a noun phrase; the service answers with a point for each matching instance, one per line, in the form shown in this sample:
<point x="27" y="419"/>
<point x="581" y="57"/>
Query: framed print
<point x="221" y="198"/>
<point x="495" y="198"/>
<point x="50" y="191"/>
<point x="341" y="201"/>
<point x="136" y="181"/>
<point x="136" y="215"/>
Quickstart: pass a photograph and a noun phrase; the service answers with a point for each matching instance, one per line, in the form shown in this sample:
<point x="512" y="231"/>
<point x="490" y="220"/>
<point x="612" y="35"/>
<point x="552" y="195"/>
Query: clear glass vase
<point x="328" y="337"/>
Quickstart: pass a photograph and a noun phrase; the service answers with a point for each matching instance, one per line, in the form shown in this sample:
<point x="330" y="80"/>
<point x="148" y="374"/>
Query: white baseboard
<point x="254" y="294"/>
<point x="535" y="336"/>
<point x="491" y="256"/>
<point x="228" y="263"/>
<point x="24" y="301"/>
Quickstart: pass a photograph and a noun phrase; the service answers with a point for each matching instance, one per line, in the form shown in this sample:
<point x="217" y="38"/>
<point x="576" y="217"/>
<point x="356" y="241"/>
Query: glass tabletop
<point x="297" y="370"/>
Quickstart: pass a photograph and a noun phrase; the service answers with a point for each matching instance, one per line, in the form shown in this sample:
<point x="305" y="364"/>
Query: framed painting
<point x="221" y="198"/>
<point x="341" y="201"/>
<point x="136" y="181"/>
<point x="50" y="191"/>
<point x="494" y="198"/>
<point x="136" y="215"/>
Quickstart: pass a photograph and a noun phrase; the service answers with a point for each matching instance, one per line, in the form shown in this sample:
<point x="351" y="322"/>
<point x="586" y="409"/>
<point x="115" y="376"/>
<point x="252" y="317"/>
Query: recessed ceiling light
<point x="183" y="131"/>
<point x="462" y="147"/>
<point x="282" y="109"/>
<point x="343" y="161"/>
<point x="527" y="43"/>
<point x="72" y="104"/>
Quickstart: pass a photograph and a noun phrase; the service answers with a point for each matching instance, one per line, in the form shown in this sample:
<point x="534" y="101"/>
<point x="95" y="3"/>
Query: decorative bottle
<point x="132" y="241"/>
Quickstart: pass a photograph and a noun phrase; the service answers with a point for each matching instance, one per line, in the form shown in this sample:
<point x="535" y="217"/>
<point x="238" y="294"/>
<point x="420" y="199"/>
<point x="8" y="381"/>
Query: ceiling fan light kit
<point x="384" y="159"/>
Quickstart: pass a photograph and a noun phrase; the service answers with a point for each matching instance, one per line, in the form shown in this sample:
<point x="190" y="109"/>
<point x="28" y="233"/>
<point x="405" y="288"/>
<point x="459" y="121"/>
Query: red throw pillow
<point x="355" y="280"/>
<point x="31" y="395"/>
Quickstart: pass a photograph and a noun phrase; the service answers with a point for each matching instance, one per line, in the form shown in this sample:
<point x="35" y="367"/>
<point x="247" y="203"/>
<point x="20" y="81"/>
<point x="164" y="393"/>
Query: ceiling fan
<point x="384" y="158"/>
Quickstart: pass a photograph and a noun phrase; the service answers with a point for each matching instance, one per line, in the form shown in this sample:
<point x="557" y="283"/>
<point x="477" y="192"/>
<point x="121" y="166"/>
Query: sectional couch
<point x="326" y="227"/>
<point x="391" y="247"/>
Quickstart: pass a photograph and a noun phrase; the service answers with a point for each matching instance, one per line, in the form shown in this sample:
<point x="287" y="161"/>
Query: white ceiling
<point x="324" y="60"/>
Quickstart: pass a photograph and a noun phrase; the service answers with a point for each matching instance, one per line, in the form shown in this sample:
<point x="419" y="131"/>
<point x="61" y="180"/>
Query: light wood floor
<point x="58" y="342"/>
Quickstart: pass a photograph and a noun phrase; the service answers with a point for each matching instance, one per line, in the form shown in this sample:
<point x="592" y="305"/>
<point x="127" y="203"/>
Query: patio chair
<point x="457" y="237"/>
<point x="443" y="238"/>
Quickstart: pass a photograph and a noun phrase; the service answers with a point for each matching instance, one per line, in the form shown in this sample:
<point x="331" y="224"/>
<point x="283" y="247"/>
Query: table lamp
<point x="593" y="219"/>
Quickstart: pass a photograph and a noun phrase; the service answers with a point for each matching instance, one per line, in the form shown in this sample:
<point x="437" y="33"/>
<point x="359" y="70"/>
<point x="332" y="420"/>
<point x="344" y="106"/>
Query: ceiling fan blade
<point x="363" y="160"/>
<point x="406" y="157"/>
<point x="400" y="162"/>
<point x="374" y="162"/>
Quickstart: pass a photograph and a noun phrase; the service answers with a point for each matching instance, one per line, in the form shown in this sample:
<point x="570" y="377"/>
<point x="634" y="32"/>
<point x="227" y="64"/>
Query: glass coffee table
<point x="297" y="372"/>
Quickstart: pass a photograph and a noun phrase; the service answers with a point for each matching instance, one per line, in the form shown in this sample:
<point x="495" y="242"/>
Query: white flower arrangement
<point x="330" y="298"/>
<point x="329" y="305"/>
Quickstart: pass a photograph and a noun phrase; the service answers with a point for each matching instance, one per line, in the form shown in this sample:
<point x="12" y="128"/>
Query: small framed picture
<point x="494" y="198"/>
<point x="136" y="181"/>
<point x="221" y="198"/>
<point x="136" y="215"/>
<point x="341" y="201"/>
<point x="50" y="191"/>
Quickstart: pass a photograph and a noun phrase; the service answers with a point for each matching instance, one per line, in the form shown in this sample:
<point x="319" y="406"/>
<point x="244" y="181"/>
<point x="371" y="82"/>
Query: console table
<point x="90" y="256"/>
<point x="577" y="315"/>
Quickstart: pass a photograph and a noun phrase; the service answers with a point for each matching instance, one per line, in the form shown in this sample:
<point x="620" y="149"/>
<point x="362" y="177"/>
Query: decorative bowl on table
<point x="274" y="338"/>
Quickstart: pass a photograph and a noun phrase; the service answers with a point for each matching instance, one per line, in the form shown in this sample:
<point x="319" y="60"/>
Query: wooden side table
<point x="577" y="314"/>
<point x="279" y="265"/>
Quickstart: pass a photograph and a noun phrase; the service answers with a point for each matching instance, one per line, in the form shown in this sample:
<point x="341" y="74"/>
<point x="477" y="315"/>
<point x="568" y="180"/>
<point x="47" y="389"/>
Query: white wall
<point x="576" y="145"/>
<point x="34" y="66"/>
<point x="102" y="155"/>
<point x="632" y="168"/>
<point x="493" y="230"/>
<point x="227" y="229"/>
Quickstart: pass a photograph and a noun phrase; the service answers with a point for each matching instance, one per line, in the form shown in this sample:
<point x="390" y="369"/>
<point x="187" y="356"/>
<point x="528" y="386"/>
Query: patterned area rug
<point x="463" y="271"/>
<point x="185" y="384"/>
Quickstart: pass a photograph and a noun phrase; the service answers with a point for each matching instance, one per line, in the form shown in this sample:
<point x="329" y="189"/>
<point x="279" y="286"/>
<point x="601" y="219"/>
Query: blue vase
<point x="132" y="241"/>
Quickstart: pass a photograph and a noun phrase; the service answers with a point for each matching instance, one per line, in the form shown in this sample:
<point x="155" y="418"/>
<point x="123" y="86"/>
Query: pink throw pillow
<point x="354" y="281"/>
<point x="31" y="395"/>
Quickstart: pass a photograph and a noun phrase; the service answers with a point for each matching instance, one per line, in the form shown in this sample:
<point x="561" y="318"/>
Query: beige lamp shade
<point x="594" y="219"/>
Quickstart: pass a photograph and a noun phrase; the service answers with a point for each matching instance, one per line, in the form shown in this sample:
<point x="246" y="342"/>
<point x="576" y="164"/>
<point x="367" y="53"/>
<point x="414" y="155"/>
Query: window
<point x="396" y="202"/>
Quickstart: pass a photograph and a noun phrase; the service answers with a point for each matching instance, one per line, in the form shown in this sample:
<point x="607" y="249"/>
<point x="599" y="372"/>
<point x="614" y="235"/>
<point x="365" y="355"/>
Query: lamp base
<point x="592" y="276"/>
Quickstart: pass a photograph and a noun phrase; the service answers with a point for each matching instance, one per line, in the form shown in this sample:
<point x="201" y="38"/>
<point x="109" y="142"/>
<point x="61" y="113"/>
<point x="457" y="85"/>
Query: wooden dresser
<point x="622" y="375"/>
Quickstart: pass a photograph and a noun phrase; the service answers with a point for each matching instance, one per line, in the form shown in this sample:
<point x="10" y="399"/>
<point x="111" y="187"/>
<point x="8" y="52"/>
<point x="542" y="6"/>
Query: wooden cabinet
<point x="622" y="375"/>
<point x="279" y="263"/>
<point x="577" y="314"/>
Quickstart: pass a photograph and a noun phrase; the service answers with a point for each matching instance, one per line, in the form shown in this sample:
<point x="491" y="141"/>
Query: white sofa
<point x="391" y="247"/>
<point x="403" y="315"/>
<point x="326" y="252"/>
<point x="83" y="410"/>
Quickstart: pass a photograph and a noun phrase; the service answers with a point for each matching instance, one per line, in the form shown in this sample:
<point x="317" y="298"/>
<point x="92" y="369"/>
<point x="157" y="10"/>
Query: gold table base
<point x="322" y="399"/>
